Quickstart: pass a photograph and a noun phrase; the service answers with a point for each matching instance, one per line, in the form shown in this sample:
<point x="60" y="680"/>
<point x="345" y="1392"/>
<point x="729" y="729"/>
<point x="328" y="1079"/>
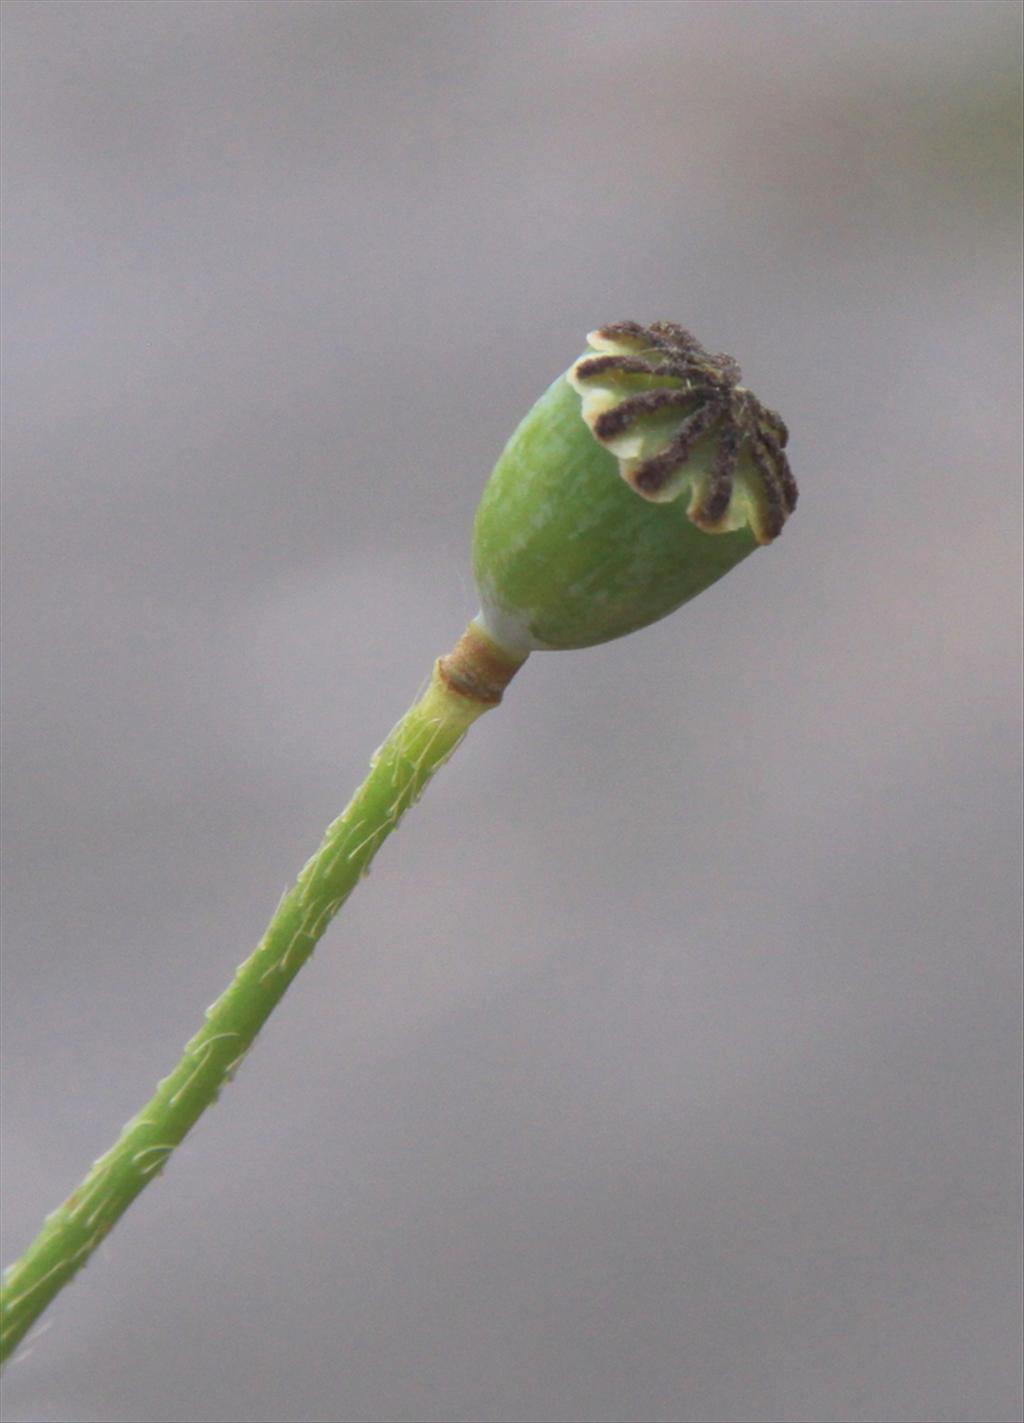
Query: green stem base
<point x="465" y="684"/>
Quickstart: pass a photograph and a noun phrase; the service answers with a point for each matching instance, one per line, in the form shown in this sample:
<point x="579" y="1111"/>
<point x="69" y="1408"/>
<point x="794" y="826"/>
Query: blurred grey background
<point x="667" y="1066"/>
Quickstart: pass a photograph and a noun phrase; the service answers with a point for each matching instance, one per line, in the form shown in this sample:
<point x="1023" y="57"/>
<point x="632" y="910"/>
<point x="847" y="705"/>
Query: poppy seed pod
<point x="638" y="479"/>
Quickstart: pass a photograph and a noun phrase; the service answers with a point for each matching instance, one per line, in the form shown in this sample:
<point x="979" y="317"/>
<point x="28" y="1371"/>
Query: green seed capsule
<point x="637" y="480"/>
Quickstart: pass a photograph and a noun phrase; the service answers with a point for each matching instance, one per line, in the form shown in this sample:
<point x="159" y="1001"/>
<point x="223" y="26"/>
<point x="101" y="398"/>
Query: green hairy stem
<point x="463" y="686"/>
